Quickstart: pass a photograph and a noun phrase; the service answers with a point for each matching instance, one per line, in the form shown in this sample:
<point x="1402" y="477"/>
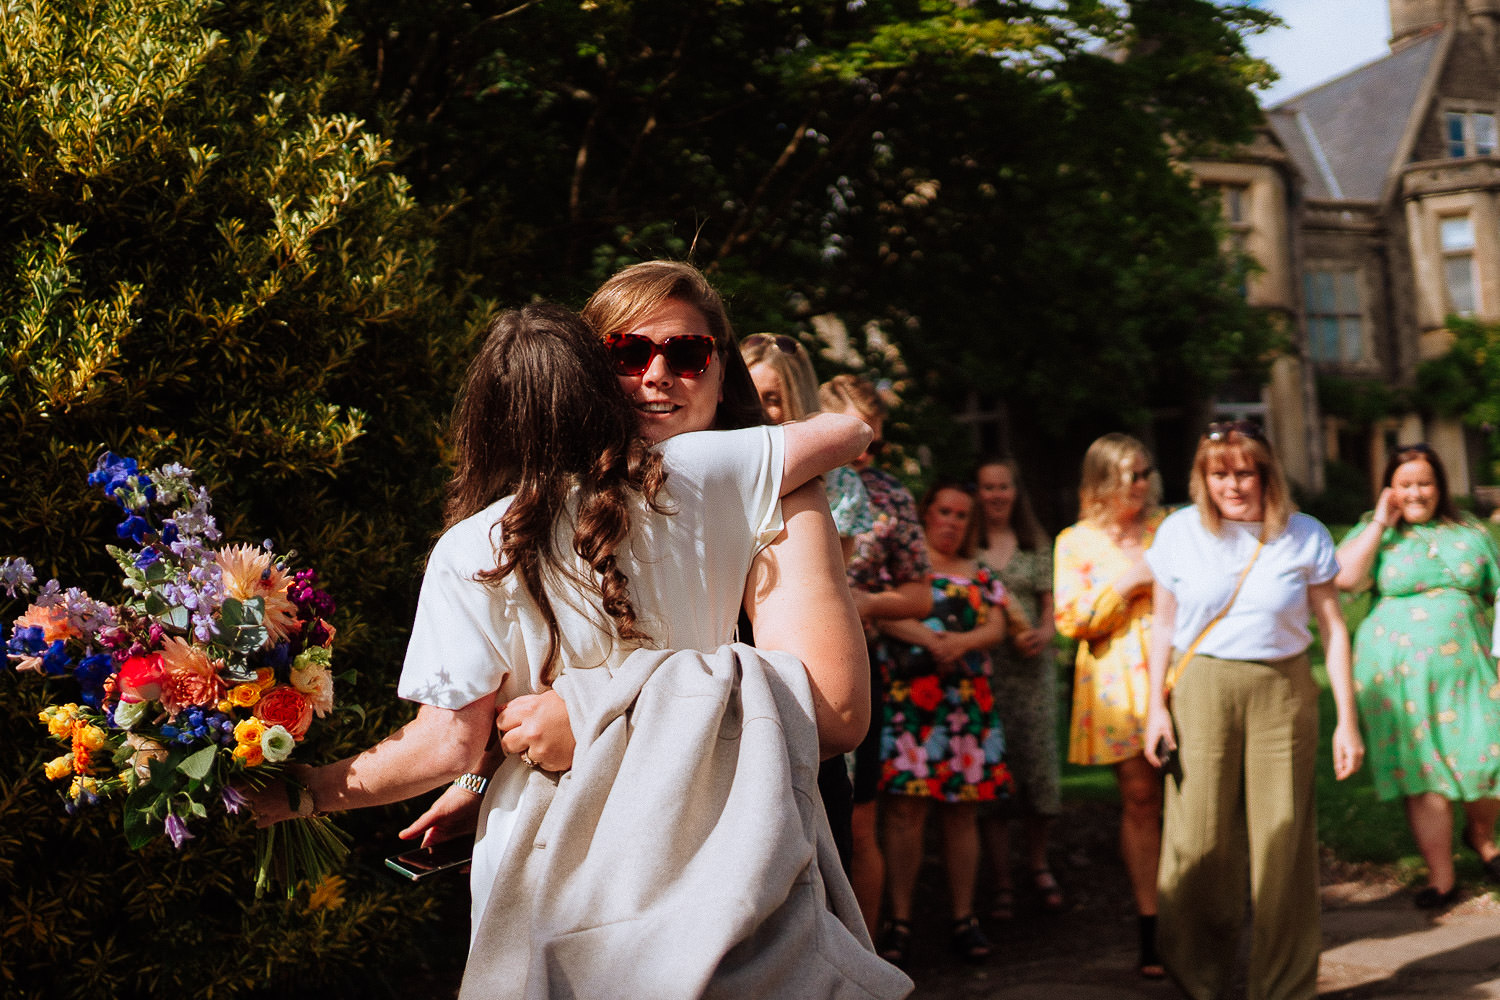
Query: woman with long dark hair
<point x="569" y="545"/>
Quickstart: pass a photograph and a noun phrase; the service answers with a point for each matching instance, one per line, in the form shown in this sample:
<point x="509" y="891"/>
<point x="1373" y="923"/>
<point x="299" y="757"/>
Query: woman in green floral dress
<point x="1424" y="672"/>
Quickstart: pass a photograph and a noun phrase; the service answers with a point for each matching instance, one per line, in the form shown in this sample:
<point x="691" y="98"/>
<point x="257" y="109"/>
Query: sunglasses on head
<point x="783" y="343"/>
<point x="688" y="355"/>
<point x="1222" y="429"/>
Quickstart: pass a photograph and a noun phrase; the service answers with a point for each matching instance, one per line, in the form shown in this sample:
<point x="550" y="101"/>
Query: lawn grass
<point x="1352" y="822"/>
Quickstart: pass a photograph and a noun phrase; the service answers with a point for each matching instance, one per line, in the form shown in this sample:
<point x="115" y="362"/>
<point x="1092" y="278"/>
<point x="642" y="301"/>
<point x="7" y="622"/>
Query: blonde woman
<point x="1238" y="576"/>
<point x="783" y="375"/>
<point x="1102" y="591"/>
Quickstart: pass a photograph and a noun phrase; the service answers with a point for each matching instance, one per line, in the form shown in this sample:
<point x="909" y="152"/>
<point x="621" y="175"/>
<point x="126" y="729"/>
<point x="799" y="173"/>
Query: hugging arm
<point x="819" y="444"/>
<point x="798" y="599"/>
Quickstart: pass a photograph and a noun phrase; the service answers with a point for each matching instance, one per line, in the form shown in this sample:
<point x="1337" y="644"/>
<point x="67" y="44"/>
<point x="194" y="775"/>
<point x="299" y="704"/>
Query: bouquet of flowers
<point x="208" y="675"/>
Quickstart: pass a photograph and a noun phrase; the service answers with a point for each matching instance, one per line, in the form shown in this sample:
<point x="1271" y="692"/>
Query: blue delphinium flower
<point x="91" y="673"/>
<point x="134" y="527"/>
<point x="55" y="660"/>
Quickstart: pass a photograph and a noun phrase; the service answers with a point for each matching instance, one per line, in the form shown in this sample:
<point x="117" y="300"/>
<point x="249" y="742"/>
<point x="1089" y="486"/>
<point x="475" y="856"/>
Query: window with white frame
<point x="1469" y="133"/>
<point x="1335" y="317"/>
<point x="1456" y="236"/>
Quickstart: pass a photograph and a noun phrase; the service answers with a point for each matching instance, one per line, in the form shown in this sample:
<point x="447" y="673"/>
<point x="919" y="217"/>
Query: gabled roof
<point x="1347" y="136"/>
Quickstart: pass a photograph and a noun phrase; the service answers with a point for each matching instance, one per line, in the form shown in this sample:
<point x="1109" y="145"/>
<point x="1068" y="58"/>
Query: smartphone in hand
<point x="424" y="862"/>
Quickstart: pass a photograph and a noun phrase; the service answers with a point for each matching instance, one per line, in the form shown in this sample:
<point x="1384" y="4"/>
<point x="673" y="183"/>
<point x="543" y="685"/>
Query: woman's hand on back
<point x="537" y="726"/>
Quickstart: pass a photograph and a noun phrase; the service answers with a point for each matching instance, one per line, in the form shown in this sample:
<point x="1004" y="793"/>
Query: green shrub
<point x="202" y="261"/>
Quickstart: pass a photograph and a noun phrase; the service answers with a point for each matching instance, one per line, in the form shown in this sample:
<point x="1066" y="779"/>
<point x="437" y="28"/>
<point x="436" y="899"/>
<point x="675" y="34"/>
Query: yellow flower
<point x="59" y="767"/>
<point x="1448" y="648"/>
<point x="265" y="677"/>
<point x="244" y="695"/>
<point x="328" y="894"/>
<point x="1447" y="716"/>
<point x="81" y="787"/>
<point x="247" y="735"/>
<point x="90" y="737"/>
<point x="60" y="719"/>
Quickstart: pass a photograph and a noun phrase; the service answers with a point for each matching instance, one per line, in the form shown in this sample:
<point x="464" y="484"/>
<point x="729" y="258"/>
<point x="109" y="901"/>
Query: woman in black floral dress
<point x="941" y="738"/>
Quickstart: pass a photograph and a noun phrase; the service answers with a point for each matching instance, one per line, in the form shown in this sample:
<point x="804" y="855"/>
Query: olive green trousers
<point x="1240" y="815"/>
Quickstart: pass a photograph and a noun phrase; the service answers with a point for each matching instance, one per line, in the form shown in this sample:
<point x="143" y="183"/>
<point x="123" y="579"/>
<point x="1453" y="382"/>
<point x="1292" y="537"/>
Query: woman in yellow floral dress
<point x="1102" y="595"/>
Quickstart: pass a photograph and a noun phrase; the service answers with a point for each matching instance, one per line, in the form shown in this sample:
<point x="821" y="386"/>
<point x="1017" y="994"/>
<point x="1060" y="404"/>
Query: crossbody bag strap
<point x="1176" y="671"/>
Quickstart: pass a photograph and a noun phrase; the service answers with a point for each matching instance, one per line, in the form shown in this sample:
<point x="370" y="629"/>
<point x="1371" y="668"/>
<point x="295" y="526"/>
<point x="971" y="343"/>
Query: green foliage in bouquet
<point x="202" y="260"/>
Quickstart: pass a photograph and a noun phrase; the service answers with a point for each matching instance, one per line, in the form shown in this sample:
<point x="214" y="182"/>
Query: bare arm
<point x="435" y="747"/>
<point x="1357" y="554"/>
<point x="819" y="444"/>
<point x="912" y="599"/>
<point x="798" y="600"/>
<point x="1348" y="747"/>
<point x="1158" y="719"/>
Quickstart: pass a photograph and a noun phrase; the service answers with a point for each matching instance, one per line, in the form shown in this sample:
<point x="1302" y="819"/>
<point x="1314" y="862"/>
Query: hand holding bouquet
<point x="210" y="674"/>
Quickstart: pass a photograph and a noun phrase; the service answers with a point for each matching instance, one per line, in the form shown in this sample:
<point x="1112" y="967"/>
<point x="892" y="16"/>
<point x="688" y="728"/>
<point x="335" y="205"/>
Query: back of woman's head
<point x="789" y="360"/>
<point x="1423" y="452"/>
<point x="629" y="297"/>
<point x="541" y="417"/>
<point x="852" y="394"/>
<point x="540" y="405"/>
<point x="1104" y="479"/>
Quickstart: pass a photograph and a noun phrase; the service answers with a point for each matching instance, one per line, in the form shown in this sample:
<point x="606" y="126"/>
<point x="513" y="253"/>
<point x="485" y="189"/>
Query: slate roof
<point x="1345" y="135"/>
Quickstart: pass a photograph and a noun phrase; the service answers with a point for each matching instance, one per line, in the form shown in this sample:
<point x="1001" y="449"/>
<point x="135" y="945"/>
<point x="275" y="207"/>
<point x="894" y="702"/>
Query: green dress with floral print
<point x="1424" y="678"/>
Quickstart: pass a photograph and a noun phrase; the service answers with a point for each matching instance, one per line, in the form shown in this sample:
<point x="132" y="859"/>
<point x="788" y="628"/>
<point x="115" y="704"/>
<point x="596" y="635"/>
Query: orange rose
<point x="287" y="707"/>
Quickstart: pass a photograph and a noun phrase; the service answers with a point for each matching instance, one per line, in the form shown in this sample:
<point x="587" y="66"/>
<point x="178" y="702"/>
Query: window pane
<point x="1323" y="334"/>
<point x="1351" y="338"/>
<point x="1234" y="204"/>
<point x="1347" y="291"/>
<point x="1459" y="271"/>
<point x="1484" y="133"/>
<point x="1455" y="122"/>
<point x="1457" y="233"/>
<point x="1320" y="295"/>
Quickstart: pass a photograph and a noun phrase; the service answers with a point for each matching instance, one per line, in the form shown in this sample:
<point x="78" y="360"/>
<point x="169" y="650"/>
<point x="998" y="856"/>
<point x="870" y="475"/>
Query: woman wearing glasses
<point x="1238" y="576"/>
<point x="783" y="376"/>
<point x="603" y="546"/>
<point x="1428" y="696"/>
<point x="1102" y="591"/>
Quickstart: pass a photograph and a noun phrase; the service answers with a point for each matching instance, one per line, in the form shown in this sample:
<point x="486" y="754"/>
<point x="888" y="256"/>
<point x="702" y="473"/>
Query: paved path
<point x="1376" y="946"/>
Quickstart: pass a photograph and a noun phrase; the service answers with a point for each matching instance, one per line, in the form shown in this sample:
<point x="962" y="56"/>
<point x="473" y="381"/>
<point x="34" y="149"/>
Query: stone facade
<point x="1389" y="181"/>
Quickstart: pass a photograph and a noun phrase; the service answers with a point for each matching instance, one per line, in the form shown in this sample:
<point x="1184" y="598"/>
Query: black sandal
<point x="1003" y="907"/>
<point x="969" y="942"/>
<point x="895" y="941"/>
<point x="1149" y="965"/>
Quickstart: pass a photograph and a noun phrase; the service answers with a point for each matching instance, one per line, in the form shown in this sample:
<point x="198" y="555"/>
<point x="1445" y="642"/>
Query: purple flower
<point x="146" y="558"/>
<point x="233" y="800"/>
<point x="177" y="830"/>
<point x="16" y="575"/>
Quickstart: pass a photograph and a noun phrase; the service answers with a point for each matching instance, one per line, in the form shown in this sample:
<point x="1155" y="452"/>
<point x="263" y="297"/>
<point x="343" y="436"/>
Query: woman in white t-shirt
<point x="570" y="543"/>
<point x="1238" y="575"/>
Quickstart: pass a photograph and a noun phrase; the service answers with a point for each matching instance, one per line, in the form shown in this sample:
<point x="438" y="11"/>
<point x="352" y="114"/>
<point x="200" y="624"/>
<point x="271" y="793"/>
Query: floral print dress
<point x="1424" y="678"/>
<point x="940" y="731"/>
<point x="1110" y="681"/>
